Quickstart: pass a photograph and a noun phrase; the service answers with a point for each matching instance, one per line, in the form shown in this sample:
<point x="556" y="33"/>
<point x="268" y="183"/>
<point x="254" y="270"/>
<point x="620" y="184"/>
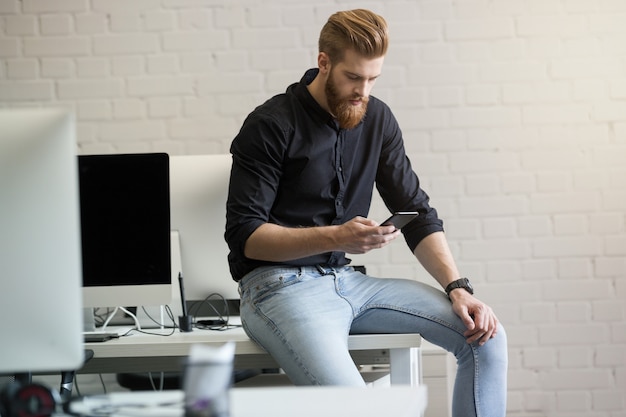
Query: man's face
<point x="348" y="87"/>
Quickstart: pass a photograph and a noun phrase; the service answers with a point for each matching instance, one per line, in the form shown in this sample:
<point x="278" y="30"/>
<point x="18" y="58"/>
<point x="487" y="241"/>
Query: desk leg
<point x="406" y="366"/>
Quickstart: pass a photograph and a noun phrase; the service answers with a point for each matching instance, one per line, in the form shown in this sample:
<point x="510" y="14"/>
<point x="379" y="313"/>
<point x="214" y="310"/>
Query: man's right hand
<point x="361" y="235"/>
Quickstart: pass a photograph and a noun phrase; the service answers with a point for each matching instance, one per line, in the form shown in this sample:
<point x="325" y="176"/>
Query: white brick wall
<point x="513" y="112"/>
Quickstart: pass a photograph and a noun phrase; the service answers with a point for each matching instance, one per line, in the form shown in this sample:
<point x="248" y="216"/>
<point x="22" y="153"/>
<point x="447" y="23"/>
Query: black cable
<point x="154" y="334"/>
<point x="170" y="315"/>
<point x="221" y="323"/>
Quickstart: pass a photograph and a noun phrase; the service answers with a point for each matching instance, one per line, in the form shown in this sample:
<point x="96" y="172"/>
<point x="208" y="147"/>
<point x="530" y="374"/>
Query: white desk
<point x="140" y="352"/>
<point x="399" y="401"/>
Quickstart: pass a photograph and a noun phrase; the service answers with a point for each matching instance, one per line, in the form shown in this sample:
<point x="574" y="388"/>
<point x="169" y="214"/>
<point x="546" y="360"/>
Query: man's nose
<point x="362" y="89"/>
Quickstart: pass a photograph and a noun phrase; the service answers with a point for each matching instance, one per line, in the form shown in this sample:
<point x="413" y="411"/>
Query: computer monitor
<point x="199" y="189"/>
<point x="40" y="260"/>
<point x="125" y="226"/>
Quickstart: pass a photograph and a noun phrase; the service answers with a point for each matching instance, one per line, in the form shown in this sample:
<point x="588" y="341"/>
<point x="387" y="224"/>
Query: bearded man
<point x="305" y="164"/>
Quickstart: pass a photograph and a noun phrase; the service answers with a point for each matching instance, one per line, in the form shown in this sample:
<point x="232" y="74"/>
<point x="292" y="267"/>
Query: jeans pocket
<point x="263" y="287"/>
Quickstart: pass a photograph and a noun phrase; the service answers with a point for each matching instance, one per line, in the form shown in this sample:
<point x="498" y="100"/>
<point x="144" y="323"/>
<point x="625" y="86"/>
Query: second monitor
<point x="198" y="192"/>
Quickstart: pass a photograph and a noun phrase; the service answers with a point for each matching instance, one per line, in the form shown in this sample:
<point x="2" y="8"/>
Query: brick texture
<point x="513" y="112"/>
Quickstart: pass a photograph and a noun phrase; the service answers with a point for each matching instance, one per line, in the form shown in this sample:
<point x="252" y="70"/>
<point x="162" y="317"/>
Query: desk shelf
<point x="140" y="352"/>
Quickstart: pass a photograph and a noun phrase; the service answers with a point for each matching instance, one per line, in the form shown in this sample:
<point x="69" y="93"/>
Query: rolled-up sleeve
<point x="400" y="189"/>
<point x="254" y="180"/>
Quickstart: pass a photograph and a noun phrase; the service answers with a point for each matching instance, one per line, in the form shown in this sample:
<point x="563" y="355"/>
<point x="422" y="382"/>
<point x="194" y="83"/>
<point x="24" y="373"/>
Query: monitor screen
<point x="199" y="189"/>
<point x="125" y="226"/>
<point x="40" y="299"/>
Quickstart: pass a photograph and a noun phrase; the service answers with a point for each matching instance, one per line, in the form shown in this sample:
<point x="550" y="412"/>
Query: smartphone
<point x="400" y="219"/>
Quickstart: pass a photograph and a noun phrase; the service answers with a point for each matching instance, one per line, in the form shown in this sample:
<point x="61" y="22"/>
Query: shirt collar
<point x="301" y="91"/>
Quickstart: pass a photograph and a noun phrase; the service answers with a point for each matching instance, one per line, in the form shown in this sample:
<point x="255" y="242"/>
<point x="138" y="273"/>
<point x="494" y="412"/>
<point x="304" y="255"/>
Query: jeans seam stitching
<point x="413" y="313"/>
<point x="275" y="330"/>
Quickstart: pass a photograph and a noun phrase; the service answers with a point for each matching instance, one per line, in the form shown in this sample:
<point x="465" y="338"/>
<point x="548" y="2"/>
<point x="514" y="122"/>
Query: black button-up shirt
<point x="293" y="166"/>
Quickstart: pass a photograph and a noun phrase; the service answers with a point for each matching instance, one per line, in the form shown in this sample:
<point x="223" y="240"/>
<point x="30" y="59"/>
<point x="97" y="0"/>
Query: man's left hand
<point x="479" y="319"/>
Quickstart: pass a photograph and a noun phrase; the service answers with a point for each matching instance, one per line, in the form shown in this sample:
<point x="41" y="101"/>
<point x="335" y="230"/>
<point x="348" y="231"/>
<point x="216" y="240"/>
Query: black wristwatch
<point x="460" y="283"/>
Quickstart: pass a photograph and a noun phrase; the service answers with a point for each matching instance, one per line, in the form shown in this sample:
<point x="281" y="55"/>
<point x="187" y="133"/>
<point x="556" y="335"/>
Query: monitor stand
<point x="89" y="321"/>
<point x="108" y="320"/>
<point x="91" y="328"/>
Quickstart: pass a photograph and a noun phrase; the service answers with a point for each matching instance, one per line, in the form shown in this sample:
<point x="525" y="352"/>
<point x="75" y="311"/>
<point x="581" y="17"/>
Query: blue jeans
<point x="303" y="315"/>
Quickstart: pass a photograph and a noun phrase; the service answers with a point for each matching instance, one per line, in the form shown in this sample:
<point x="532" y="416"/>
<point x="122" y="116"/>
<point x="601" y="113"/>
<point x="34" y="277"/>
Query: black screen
<point x="125" y="219"/>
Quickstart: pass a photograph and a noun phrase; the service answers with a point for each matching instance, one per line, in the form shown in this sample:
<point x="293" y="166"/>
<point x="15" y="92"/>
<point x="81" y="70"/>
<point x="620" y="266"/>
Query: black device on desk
<point x="98" y="337"/>
<point x="211" y="322"/>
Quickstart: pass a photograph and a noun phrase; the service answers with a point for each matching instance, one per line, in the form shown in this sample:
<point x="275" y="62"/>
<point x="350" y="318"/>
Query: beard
<point x="347" y="115"/>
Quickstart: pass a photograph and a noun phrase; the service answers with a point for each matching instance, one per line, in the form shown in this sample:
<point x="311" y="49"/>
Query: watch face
<point x="460" y="283"/>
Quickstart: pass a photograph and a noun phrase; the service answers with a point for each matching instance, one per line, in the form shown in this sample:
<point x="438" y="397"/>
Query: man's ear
<point x="323" y="62"/>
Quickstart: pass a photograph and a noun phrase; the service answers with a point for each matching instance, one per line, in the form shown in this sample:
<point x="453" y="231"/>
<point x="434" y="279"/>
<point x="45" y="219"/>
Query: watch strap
<point x="459" y="283"/>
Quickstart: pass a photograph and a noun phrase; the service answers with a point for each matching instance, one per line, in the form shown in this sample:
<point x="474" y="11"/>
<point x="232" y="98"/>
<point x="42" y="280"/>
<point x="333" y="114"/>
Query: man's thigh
<point x="304" y="325"/>
<point x="403" y="306"/>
